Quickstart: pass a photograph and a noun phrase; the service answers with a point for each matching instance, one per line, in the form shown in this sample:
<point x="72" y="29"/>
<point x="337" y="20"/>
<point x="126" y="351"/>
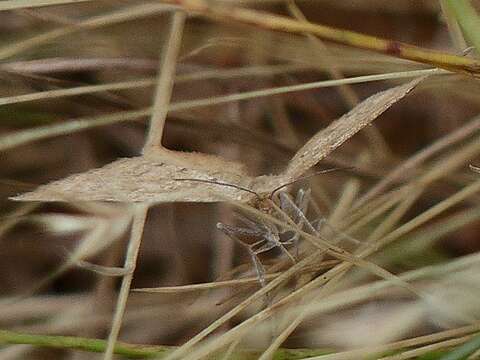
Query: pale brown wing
<point x="142" y="179"/>
<point x="342" y="129"/>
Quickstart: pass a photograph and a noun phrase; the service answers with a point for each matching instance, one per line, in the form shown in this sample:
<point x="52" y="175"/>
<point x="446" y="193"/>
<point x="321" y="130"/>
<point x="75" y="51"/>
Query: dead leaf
<point x="152" y="178"/>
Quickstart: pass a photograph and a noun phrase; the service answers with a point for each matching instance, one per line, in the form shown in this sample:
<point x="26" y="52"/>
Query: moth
<point x="150" y="178"/>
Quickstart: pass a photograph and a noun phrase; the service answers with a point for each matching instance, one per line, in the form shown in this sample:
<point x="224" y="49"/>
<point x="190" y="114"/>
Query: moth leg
<point x="293" y="208"/>
<point x="250" y="223"/>
<point x="300" y="216"/>
<point x="285" y="201"/>
<point x="259" y="268"/>
<point x="297" y="211"/>
<point x="274" y="239"/>
<point x="302" y="201"/>
<point x="237" y="230"/>
<point x="262" y="246"/>
<point x="232" y="232"/>
<point x="262" y="231"/>
<point x="286" y="252"/>
<point x="323" y="221"/>
<point x="270" y="241"/>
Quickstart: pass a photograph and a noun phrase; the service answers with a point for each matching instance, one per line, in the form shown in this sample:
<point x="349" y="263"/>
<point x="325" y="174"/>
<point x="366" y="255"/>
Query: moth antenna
<point x="238" y="187"/>
<point x="304" y="178"/>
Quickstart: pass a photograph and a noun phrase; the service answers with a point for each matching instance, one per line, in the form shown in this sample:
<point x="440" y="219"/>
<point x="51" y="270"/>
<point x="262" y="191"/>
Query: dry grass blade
<point x="140" y="214"/>
<point x="327" y="140"/>
<point x="242" y="328"/>
<point x="382" y="349"/>
<point x="99" y="231"/>
<point x="338" y="298"/>
<point x="205" y="286"/>
<point x="164" y="87"/>
<point x="439" y="145"/>
<point x="229" y="283"/>
<point x="361" y="293"/>
<point x="188" y="346"/>
<point x="416" y="353"/>
<point x="22" y="4"/>
<point x="23" y="137"/>
<point x="88" y="89"/>
<point x="14" y="218"/>
<point x="102" y="270"/>
<point x="42" y="132"/>
<point x="272" y="22"/>
<point x="122" y="15"/>
<point x="189" y="104"/>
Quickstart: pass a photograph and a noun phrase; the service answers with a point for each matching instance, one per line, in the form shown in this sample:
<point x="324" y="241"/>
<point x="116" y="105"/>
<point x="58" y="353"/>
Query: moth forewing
<point x="149" y="178"/>
<point x="342" y="129"/>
